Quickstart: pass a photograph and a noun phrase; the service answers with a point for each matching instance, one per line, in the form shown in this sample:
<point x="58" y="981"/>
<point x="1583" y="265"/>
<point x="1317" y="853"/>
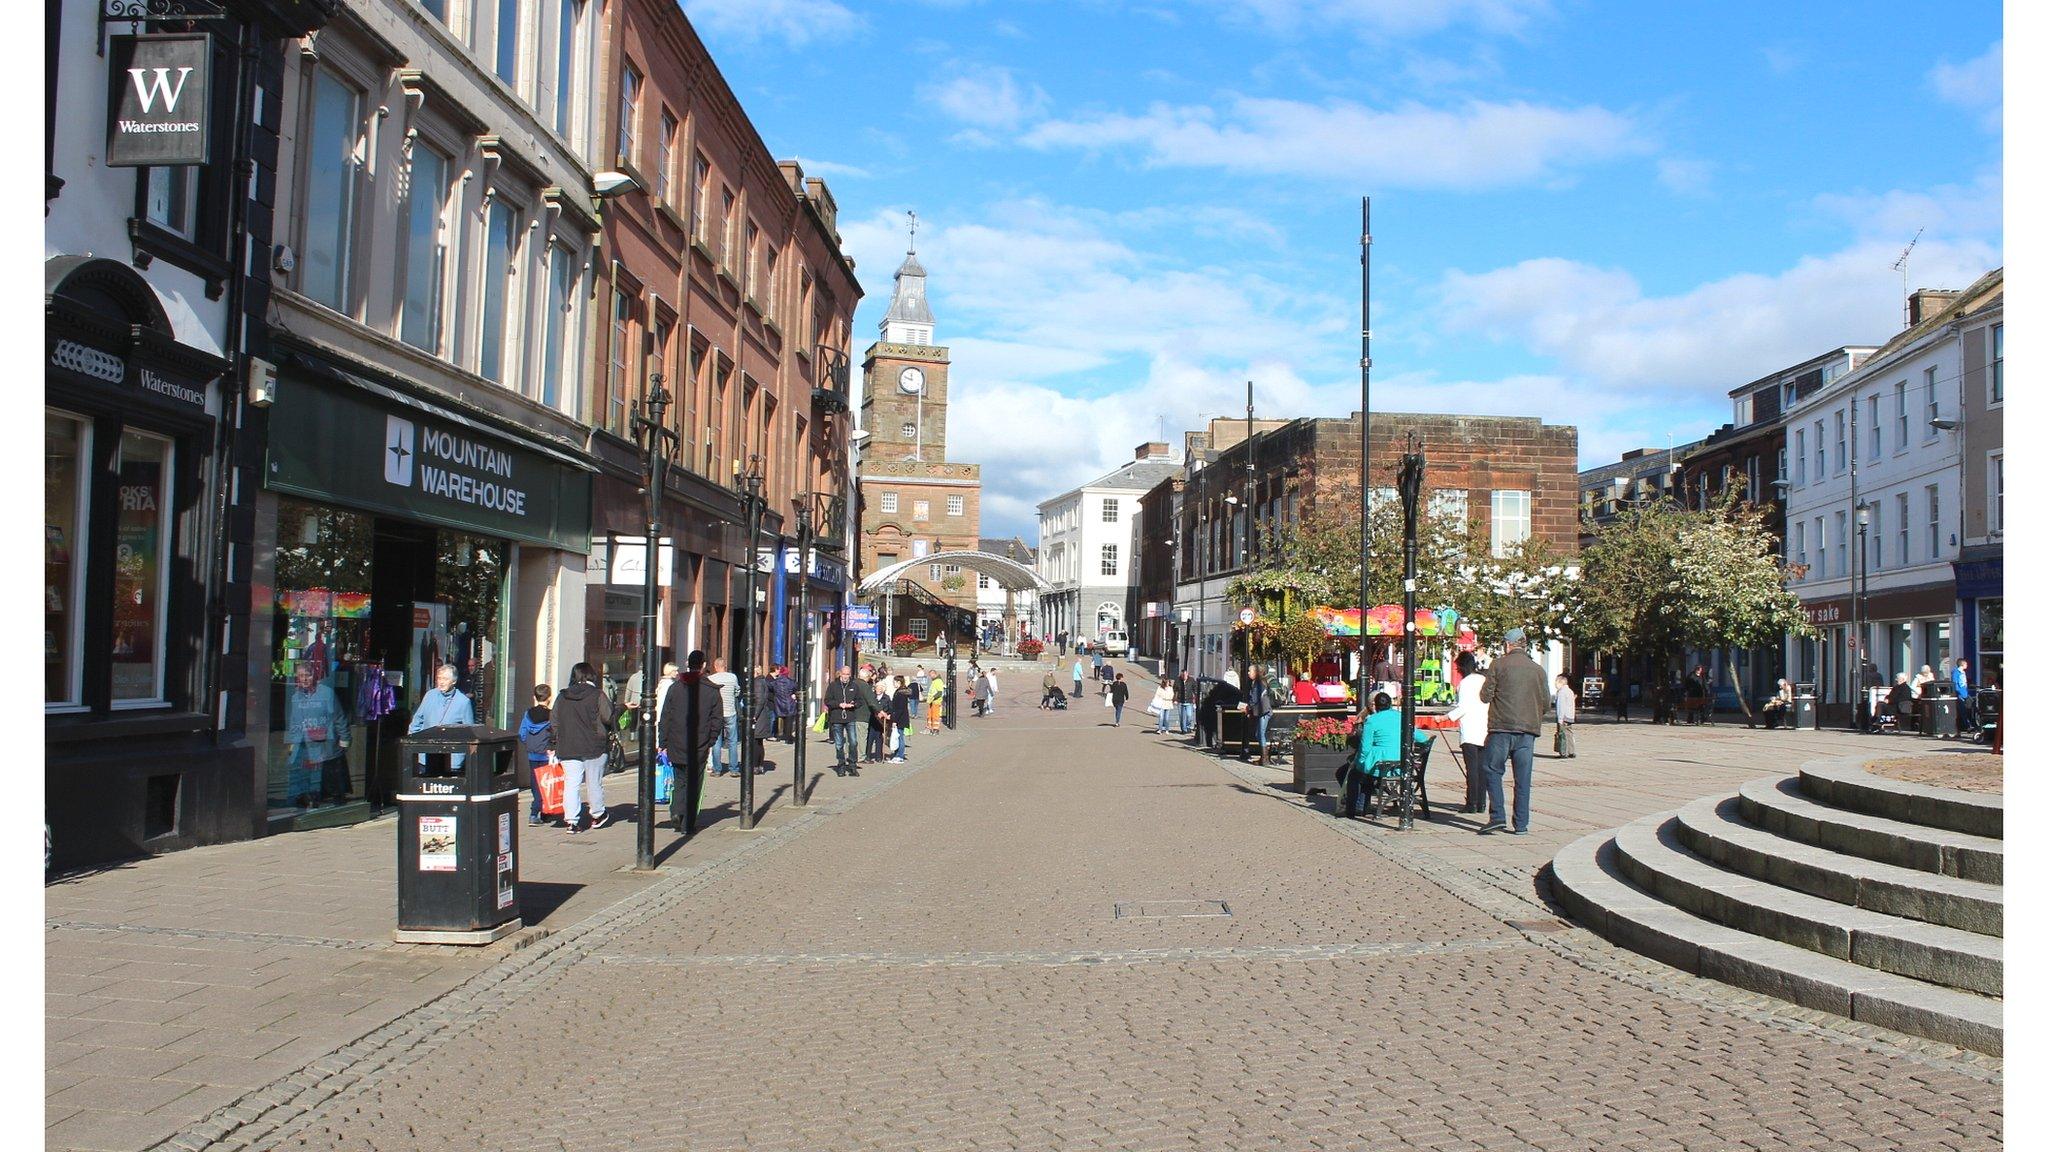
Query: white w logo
<point x="147" y="91"/>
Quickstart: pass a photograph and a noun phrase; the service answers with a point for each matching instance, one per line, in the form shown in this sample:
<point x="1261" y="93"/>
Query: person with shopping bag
<point x="583" y="716"/>
<point x="1163" y="705"/>
<point x="692" y="717"/>
<point x="537" y="738"/>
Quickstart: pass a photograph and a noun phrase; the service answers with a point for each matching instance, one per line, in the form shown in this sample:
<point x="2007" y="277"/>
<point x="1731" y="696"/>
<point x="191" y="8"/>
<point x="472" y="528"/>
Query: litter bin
<point x="1989" y="702"/>
<point x="1940" y="712"/>
<point x="458" y="836"/>
<point x="1804" y="716"/>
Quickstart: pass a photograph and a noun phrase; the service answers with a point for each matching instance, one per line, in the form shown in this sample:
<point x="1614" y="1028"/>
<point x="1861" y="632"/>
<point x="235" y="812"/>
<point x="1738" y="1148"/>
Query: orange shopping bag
<point x="548" y="779"/>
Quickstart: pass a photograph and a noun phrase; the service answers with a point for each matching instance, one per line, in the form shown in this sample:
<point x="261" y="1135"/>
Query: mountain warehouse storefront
<point x="399" y="535"/>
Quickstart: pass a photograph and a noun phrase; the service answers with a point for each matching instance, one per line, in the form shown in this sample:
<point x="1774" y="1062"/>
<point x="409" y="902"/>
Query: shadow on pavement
<point x="539" y="899"/>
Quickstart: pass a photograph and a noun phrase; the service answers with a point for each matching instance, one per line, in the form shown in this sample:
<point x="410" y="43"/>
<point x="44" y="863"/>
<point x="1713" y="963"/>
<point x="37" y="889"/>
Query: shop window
<point x="426" y="250"/>
<point x="142" y="570"/>
<point x="333" y="177"/>
<point x="1990" y="669"/>
<point x="67" y="447"/>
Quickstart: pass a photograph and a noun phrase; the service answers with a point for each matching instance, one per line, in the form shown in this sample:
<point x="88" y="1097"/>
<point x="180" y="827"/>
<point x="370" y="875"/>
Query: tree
<point x="1660" y="579"/>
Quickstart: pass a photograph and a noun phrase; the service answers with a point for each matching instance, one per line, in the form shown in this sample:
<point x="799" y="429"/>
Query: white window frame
<point x="1799" y="438"/>
<point x="1994" y="493"/>
<point x="1876" y="430"/>
<point x="349" y="73"/>
<point x="1995" y="386"/>
<point x="1112" y="510"/>
<point x="449" y="238"/>
<point x="80" y="557"/>
<point x="1820" y="450"/>
<point x="559" y="255"/>
<point x="510" y="341"/>
<point x="1502" y="516"/>
<point x="1799" y="544"/>
<point x="1933" y="405"/>
<point x="1820" y="547"/>
<point x="163" y="570"/>
<point x="1876" y="535"/>
<point x="1109" y="560"/>
<point x="1934" y="521"/>
<point x="1905" y="428"/>
<point x="1745" y="410"/>
<point x="889" y="503"/>
<point x="1842" y="538"/>
<point x="1905" y="528"/>
<point x="956" y="505"/>
<point x="1841" y="440"/>
<point x="568" y="19"/>
<point x="626" y="141"/>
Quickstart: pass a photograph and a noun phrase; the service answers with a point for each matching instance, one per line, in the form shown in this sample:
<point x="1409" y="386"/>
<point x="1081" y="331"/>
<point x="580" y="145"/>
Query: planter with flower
<point x="905" y="644"/>
<point x="1322" y="744"/>
<point x="1029" y="648"/>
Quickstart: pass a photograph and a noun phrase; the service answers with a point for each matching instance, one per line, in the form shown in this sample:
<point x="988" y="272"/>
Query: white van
<point x="1116" y="642"/>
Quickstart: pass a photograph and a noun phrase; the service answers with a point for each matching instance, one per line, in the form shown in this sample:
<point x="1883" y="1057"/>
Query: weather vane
<point x="913" y="231"/>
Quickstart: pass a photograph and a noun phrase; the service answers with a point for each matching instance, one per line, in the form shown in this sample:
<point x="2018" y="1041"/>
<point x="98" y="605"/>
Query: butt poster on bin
<point x="437" y="843"/>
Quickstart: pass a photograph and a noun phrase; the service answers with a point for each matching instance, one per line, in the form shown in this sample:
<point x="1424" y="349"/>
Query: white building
<point x="1088" y="544"/>
<point x="1011" y="615"/>
<point x="1874" y="505"/>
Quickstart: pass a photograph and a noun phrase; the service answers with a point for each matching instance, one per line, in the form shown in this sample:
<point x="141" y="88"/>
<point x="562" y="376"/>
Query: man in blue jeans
<point x="844" y="709"/>
<point x="727" y="750"/>
<point x="1516" y="695"/>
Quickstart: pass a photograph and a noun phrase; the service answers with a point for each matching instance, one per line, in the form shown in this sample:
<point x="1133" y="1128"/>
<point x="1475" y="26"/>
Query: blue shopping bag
<point x="664" y="777"/>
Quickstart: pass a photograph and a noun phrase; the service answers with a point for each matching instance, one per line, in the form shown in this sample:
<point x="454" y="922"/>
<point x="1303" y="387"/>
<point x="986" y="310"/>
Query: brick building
<point x="1512" y="477"/>
<point x="913" y="500"/>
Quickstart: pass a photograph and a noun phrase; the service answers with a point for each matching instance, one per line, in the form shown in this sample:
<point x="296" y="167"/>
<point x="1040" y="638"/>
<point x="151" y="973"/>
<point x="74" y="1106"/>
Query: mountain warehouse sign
<point x="162" y="95"/>
<point x="340" y="443"/>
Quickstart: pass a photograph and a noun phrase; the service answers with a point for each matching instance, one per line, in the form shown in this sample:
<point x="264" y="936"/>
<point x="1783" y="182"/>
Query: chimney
<point x="1152" y="450"/>
<point x="1926" y="302"/>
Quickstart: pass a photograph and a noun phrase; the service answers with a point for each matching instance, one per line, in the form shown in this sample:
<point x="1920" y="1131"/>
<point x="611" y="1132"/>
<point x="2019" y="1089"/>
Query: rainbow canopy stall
<point x="1386" y="620"/>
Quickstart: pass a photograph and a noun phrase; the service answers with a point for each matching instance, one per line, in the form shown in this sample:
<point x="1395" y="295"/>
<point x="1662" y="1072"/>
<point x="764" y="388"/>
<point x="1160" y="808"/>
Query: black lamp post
<point x="749" y="487"/>
<point x="657" y="441"/>
<point x="1859" y="594"/>
<point x="1411" y="497"/>
<point x="805" y="541"/>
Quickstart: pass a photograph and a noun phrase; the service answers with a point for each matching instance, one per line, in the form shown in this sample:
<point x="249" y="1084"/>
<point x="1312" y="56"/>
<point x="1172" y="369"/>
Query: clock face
<point x="912" y="380"/>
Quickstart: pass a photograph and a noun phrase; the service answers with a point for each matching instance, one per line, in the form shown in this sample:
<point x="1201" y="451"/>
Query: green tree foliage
<point x="1660" y="579"/>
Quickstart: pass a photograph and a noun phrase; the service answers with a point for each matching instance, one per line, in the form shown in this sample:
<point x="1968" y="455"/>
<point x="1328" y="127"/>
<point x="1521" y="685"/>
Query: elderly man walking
<point x="1517" y="693"/>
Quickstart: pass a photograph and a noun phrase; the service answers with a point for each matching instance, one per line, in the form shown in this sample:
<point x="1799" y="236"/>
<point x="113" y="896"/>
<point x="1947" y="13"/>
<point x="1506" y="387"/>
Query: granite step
<point x="1844" y="784"/>
<point x="1589" y="882"/>
<point x="1778" y="805"/>
<point x="1651" y="854"/>
<point x="1712" y="829"/>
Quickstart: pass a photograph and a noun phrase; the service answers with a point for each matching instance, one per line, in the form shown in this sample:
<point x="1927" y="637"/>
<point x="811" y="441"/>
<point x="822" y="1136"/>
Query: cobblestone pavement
<point x="1971" y="769"/>
<point x="1062" y="935"/>
<point x="178" y="985"/>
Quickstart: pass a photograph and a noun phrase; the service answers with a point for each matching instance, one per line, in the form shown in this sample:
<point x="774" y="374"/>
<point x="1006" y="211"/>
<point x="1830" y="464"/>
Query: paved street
<point x="1042" y="933"/>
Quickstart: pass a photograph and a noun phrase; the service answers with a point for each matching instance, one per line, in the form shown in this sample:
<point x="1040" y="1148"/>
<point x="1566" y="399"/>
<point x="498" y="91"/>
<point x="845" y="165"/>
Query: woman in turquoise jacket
<point x="316" y="742"/>
<point x="1379" y="755"/>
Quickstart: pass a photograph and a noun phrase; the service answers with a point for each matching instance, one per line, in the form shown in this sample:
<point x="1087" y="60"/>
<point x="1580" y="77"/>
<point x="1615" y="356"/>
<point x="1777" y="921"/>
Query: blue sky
<point x="1605" y="215"/>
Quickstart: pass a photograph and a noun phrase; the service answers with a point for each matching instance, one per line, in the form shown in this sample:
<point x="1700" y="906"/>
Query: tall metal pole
<point x="804" y="543"/>
<point x="1856" y="652"/>
<point x="752" y="504"/>
<point x="1250" y="519"/>
<point x="1364" y="437"/>
<point x="650" y="601"/>
<point x="1411" y="497"/>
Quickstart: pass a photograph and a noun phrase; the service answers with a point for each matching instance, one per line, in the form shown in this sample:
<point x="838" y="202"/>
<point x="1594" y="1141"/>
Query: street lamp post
<point x="1858" y="595"/>
<point x="659" y="440"/>
<point x="805" y="541"/>
<point x="1364" y="437"/>
<point x="751" y="507"/>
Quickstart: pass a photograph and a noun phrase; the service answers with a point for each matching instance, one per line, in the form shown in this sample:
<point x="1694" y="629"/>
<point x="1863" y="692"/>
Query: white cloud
<point x="1975" y="85"/>
<point x="1976" y="209"/>
<point x="1783" y="60"/>
<point x="796" y="21"/>
<point x="986" y="98"/>
<point x="1600" y="325"/>
<point x="1478" y="145"/>
<point x="1685" y="177"/>
<point x="813" y="167"/>
<point x="1384" y="17"/>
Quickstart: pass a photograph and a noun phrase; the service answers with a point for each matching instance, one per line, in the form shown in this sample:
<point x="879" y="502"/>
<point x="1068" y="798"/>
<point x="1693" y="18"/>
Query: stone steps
<point x="1594" y="892"/>
<point x="1712" y="829"/>
<point x="1779" y="806"/>
<point x="1833" y="889"/>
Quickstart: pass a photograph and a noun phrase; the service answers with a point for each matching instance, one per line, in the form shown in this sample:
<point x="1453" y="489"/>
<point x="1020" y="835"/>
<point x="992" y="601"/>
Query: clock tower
<point x="914" y="501"/>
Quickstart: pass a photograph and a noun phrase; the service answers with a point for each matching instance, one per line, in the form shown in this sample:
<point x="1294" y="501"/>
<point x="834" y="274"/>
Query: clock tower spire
<point x="909" y="320"/>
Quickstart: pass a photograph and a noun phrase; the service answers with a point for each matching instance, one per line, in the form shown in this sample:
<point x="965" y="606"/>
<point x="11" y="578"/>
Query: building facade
<point x="914" y="501"/>
<point x="1874" y="511"/>
<point x="154" y="346"/>
<point x="1005" y="615"/>
<point x="1088" y="547"/>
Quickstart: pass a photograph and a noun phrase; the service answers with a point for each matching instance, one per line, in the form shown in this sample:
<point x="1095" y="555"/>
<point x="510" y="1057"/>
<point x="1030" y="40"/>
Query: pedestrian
<point x="583" y="717"/>
<point x="1118" y="693"/>
<point x="669" y="672"/>
<point x="1078" y="669"/>
<point x="1565" y="745"/>
<point x="1258" y="712"/>
<point x="692" y="718"/>
<point x="444" y="705"/>
<point x="537" y="736"/>
<point x="989" y="708"/>
<point x="934" y="704"/>
<point x="843" y="705"/>
<point x="1966" y="708"/>
<point x="1515" y="698"/>
<point x="899" y="720"/>
<point x="1047" y="685"/>
<point x="727" y="750"/>
<point x="1184" y="691"/>
<point x="1470" y="713"/>
<point x="783" y="687"/>
<point x="316" y="740"/>
<point x="920" y="684"/>
<point x="877" y="714"/>
<point x="1095" y="654"/>
<point x="762" y="717"/>
<point x="1164" y="705"/>
<point x="981" y="693"/>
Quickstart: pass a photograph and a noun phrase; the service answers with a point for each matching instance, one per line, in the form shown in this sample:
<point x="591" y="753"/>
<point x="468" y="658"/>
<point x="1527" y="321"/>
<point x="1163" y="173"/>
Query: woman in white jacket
<point x="1470" y="713"/>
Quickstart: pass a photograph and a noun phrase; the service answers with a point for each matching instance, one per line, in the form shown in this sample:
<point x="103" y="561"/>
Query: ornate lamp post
<point x="805" y="540"/>
<point x="657" y="442"/>
<point x="749" y="487"/>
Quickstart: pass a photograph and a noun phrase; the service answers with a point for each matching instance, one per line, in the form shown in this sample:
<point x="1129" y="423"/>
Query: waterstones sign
<point x="333" y="442"/>
<point x="162" y="94"/>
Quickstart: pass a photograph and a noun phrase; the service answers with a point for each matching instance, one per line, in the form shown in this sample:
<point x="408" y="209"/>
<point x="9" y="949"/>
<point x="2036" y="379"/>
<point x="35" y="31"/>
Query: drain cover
<point x="1169" y="909"/>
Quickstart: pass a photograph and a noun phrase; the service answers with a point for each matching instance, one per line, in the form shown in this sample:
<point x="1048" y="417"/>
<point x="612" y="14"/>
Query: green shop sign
<point x="352" y="445"/>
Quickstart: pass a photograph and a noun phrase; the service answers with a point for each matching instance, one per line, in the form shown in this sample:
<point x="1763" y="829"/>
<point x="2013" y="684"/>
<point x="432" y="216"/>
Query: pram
<point x="1055" y="699"/>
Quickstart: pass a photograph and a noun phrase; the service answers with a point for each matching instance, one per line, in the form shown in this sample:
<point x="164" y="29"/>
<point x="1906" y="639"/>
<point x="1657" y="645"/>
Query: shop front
<point x="1980" y="604"/>
<point x="688" y="555"/>
<point x="131" y="489"/>
<point x="399" y="537"/>
<point x="1907" y="628"/>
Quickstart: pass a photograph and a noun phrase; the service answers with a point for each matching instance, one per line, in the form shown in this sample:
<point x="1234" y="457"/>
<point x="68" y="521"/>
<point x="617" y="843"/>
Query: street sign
<point x="158" y="113"/>
<point x="860" y="620"/>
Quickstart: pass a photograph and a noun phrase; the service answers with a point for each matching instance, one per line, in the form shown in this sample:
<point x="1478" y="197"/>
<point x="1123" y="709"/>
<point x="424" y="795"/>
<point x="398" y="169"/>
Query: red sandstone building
<point x="721" y="272"/>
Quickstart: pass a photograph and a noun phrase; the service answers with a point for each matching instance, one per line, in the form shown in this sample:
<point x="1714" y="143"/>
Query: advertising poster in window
<point x="138" y="568"/>
<point x="437" y="843"/>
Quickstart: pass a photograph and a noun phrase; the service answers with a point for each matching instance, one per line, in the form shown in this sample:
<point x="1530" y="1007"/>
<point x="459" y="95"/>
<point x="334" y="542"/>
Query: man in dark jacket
<point x="691" y="719"/>
<point x="783" y="687"/>
<point x="583" y="717"/>
<point x="1516" y="694"/>
<point x="843" y="710"/>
